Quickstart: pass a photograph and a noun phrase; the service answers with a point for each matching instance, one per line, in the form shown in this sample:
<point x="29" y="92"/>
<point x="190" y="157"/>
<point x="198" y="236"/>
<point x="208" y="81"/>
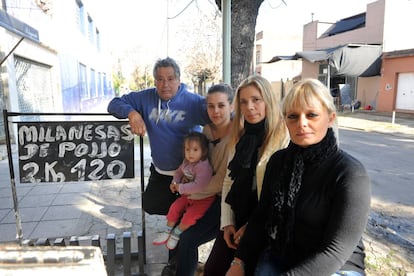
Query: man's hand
<point x="137" y="123"/>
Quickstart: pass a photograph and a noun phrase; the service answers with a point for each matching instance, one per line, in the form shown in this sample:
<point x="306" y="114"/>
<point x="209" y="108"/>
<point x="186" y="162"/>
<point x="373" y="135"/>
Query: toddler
<point x="190" y="180"/>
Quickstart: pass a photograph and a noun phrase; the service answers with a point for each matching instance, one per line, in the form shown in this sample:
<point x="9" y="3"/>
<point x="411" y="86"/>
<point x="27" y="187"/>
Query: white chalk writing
<point x="64" y="151"/>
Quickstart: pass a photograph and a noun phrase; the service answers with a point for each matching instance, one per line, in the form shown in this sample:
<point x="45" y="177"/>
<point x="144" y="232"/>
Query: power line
<point x="178" y="14"/>
<point x="278" y="6"/>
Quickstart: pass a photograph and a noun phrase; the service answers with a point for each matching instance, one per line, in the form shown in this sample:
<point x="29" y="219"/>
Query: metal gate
<point x="111" y="255"/>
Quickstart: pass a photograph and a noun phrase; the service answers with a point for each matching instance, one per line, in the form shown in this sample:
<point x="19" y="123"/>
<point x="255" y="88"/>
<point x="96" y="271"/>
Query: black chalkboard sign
<point x="75" y="151"/>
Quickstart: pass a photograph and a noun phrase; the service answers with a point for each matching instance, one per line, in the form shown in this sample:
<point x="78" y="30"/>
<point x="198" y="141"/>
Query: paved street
<point x="389" y="160"/>
<point x="51" y="210"/>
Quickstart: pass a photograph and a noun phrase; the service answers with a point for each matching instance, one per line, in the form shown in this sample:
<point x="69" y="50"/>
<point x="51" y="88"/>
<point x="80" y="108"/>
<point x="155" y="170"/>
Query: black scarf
<point x="287" y="186"/>
<point x="243" y="196"/>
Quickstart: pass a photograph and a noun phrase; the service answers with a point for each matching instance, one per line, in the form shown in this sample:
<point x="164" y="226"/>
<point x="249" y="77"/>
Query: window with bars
<point x="91" y="30"/>
<point x="92" y="84"/>
<point x="98" y="40"/>
<point x="34" y="86"/>
<point x="81" y="16"/>
<point x="83" y="88"/>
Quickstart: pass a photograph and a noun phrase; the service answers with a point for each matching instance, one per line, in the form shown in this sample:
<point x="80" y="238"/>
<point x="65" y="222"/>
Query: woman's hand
<point x="137" y="123"/>
<point x="239" y="234"/>
<point x="229" y="236"/>
<point x="236" y="268"/>
<point x="232" y="237"/>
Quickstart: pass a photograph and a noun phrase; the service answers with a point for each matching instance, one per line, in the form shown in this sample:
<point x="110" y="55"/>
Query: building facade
<point x="386" y="24"/>
<point x="266" y="44"/>
<point x="365" y="59"/>
<point x="363" y="31"/>
<point x="396" y="88"/>
<point x="51" y="58"/>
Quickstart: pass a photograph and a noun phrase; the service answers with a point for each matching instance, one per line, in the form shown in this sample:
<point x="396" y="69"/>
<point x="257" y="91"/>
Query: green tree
<point x="141" y="79"/>
<point x="200" y="78"/>
<point x="201" y="49"/>
<point x="201" y="69"/>
<point x="118" y="80"/>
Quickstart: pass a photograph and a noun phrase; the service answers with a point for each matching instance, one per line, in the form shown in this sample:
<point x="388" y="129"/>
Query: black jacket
<point x="330" y="216"/>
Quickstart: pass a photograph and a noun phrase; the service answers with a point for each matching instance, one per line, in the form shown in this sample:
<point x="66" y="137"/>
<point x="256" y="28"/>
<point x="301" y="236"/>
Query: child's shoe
<point x="172" y="241"/>
<point x="162" y="238"/>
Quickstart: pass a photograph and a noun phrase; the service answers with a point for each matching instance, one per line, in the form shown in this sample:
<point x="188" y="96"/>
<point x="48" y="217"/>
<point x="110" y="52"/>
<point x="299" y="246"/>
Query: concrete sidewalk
<point x="55" y="210"/>
<point x="81" y="209"/>
<point x="401" y="124"/>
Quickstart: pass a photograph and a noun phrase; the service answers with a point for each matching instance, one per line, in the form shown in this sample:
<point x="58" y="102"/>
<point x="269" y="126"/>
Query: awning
<point x="348" y="60"/>
<point x="278" y="58"/>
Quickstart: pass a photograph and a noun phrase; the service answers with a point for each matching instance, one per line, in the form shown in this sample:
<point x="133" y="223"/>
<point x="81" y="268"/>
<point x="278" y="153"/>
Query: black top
<point x="327" y="219"/>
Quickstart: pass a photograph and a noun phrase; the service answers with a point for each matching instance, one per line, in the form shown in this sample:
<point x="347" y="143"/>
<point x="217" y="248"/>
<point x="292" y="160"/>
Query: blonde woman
<point x="258" y="131"/>
<point x="315" y="201"/>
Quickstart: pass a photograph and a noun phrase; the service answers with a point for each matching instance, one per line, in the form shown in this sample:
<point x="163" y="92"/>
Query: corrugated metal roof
<point x="346" y="25"/>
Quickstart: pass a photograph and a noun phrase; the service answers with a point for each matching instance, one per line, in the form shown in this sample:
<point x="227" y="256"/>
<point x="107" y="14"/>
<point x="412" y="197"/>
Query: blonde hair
<point x="305" y="92"/>
<point x="275" y="127"/>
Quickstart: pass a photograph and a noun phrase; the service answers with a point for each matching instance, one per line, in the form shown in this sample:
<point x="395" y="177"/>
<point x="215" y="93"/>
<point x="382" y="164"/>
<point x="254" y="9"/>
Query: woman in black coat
<point x="315" y="199"/>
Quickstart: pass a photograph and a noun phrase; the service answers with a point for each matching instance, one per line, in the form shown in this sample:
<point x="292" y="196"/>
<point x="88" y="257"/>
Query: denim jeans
<point x="203" y="231"/>
<point x="347" y="273"/>
<point x="268" y="266"/>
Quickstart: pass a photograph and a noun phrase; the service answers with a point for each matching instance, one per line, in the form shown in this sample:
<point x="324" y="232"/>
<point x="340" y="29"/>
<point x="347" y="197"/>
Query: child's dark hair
<point x="199" y="138"/>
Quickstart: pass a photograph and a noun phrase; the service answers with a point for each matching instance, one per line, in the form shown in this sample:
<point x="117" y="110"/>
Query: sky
<point x="145" y="21"/>
<point x="142" y="24"/>
<point x="139" y="29"/>
<point x="296" y="13"/>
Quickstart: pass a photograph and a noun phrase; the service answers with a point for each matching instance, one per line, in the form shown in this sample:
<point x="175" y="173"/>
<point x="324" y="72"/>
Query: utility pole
<point x="168" y="27"/>
<point x="226" y="8"/>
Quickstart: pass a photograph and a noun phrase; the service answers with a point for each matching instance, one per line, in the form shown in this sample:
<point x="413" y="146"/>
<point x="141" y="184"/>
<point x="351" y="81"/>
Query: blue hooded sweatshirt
<point x="167" y="122"/>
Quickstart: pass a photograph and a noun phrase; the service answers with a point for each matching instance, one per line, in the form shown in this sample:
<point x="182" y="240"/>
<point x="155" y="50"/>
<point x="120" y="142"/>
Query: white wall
<point x="274" y="44"/>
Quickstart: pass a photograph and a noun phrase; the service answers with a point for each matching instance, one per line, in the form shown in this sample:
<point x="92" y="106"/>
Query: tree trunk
<point x="200" y="87"/>
<point x="243" y="23"/>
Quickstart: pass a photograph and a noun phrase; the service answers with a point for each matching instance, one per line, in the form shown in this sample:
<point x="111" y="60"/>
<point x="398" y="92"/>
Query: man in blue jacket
<point x="166" y="113"/>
